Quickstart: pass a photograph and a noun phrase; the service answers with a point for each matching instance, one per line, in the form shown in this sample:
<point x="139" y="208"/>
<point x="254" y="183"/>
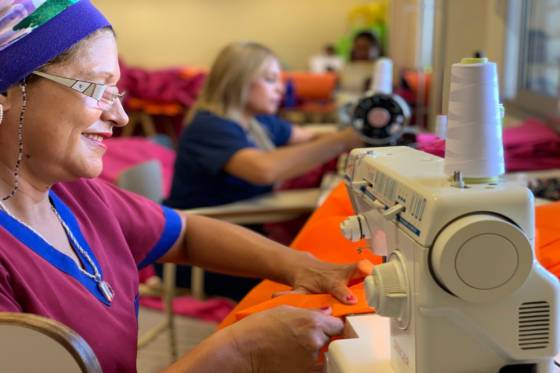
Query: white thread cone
<point x="474" y="132"/>
<point x="441" y="126"/>
<point x="382" y="79"/>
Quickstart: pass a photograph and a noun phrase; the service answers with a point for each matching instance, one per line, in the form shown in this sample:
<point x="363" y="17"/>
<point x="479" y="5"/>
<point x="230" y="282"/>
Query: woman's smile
<point x="96" y="138"/>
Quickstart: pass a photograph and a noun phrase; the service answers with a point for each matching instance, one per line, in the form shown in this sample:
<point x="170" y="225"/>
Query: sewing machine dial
<point x="387" y="290"/>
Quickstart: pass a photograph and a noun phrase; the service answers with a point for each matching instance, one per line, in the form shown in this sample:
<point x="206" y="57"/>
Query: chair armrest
<point x="35" y="343"/>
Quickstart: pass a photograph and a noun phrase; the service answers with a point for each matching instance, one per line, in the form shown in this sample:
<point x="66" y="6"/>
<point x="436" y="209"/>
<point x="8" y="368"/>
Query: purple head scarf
<point x="33" y="32"/>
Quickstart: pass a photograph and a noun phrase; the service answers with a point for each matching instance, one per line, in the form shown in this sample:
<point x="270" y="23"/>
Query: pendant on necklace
<point x="106" y="290"/>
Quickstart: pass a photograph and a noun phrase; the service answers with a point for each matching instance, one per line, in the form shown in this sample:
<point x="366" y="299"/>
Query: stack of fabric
<point x="170" y="85"/>
<point x="126" y="152"/>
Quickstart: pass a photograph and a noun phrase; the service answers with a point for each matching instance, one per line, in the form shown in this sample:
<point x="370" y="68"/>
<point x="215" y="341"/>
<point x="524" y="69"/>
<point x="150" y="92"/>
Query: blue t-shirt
<point x="206" y="145"/>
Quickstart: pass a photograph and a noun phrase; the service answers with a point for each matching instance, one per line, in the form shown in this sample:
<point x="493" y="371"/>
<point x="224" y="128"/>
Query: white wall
<point x="463" y="27"/>
<point x="191" y="32"/>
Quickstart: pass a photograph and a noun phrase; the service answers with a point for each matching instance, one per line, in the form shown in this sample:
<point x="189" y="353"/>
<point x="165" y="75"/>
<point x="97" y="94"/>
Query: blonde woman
<point x="234" y="147"/>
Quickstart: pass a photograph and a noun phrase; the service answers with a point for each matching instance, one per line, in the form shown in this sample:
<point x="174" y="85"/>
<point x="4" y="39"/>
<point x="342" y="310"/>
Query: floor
<point x="156" y="356"/>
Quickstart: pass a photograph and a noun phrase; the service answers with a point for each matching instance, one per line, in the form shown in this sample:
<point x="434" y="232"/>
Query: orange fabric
<point x="154" y="108"/>
<point x="548" y="236"/>
<point x="413" y="79"/>
<point x="312" y="301"/>
<point x="321" y="237"/>
<point x="312" y="86"/>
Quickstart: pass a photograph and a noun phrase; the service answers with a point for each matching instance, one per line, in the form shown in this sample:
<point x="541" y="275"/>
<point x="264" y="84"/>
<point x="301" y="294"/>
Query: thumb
<point x="344" y="294"/>
<point x="331" y="325"/>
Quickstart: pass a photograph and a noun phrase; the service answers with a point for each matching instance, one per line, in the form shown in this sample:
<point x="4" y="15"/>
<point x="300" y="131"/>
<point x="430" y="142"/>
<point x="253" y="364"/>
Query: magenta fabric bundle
<point x="163" y="86"/>
<point x="530" y="146"/>
<point x="125" y="152"/>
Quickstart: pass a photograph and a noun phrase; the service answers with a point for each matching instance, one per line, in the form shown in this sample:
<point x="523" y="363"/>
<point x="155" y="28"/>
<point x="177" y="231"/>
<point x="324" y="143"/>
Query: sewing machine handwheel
<point x="481" y="257"/>
<point x="380" y="118"/>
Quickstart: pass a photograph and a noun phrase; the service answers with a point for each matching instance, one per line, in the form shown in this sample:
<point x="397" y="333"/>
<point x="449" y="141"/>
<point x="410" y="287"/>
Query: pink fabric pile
<point x="164" y="86"/>
<point x="125" y="152"/>
<point x="530" y="146"/>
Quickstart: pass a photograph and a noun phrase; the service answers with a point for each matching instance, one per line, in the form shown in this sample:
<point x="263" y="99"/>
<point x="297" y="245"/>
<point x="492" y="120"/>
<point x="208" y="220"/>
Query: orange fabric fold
<point x="312" y="301"/>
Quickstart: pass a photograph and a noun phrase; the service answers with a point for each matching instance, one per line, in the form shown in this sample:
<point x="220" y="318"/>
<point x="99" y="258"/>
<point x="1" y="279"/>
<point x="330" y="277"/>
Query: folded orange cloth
<point x="313" y="301"/>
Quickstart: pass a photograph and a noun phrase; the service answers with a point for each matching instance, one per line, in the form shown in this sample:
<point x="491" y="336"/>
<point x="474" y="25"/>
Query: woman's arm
<point x="228" y="248"/>
<point x="308" y="133"/>
<point x="301" y="135"/>
<point x="263" y="168"/>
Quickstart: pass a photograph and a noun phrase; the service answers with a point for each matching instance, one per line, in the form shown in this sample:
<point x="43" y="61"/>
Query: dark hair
<point x="368" y="35"/>
<point x="371" y="38"/>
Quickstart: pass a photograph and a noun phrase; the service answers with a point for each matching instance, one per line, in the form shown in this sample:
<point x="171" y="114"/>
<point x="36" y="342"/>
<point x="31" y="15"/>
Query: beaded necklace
<point x="102" y="285"/>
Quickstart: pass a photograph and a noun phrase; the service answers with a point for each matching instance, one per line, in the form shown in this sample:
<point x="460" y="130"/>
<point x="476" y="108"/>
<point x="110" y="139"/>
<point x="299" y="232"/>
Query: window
<point x="538" y="83"/>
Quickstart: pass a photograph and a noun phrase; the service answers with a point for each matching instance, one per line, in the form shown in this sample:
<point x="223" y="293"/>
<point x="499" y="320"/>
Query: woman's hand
<point x="314" y="276"/>
<point x="284" y="339"/>
<point x="350" y="138"/>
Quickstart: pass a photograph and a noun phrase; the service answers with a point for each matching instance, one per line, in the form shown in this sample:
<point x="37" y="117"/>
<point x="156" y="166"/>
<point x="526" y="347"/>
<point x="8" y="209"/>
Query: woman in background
<point x="234" y="147"/>
<point x="365" y="47"/>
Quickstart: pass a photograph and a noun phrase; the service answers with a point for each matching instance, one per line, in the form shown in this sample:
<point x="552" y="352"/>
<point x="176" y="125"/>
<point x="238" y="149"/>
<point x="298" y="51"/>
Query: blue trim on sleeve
<point x="169" y="236"/>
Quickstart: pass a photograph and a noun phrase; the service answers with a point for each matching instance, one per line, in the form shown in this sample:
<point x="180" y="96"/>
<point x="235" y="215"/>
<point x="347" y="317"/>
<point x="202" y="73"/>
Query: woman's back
<point x="206" y="145"/>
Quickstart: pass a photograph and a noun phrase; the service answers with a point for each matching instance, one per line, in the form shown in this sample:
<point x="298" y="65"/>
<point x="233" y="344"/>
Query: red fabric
<point x="530" y="146"/>
<point x="125" y="152"/>
<point x="146" y="273"/>
<point x="165" y="86"/>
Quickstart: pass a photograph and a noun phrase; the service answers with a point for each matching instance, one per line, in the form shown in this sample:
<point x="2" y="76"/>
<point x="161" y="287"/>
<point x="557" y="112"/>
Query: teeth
<point x="93" y="137"/>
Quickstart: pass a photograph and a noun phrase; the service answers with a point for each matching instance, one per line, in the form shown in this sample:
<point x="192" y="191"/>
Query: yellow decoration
<point x="374" y="13"/>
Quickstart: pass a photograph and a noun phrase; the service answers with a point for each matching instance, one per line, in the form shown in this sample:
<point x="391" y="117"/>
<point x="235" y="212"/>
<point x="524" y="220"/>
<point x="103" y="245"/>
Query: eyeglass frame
<point x="85" y="87"/>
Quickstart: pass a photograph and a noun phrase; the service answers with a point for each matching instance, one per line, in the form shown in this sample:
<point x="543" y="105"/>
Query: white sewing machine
<point x="461" y="285"/>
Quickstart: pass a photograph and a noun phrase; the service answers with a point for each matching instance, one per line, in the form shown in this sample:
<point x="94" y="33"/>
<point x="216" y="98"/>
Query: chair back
<point x="32" y="343"/>
<point x="145" y="179"/>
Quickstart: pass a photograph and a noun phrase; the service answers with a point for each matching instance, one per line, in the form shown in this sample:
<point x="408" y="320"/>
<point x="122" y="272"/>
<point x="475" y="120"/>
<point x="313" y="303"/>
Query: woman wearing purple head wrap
<point x="70" y="247"/>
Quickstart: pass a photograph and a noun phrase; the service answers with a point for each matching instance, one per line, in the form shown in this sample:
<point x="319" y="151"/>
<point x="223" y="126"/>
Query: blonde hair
<point x="226" y="87"/>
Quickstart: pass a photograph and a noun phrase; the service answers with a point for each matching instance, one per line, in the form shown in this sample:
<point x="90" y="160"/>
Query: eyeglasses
<point x="104" y="94"/>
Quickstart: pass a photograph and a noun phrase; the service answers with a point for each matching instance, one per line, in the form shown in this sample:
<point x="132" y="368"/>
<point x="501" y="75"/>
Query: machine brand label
<point x="408" y="225"/>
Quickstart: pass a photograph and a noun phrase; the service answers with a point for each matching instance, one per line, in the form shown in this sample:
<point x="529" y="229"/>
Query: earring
<point x="1" y="113"/>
